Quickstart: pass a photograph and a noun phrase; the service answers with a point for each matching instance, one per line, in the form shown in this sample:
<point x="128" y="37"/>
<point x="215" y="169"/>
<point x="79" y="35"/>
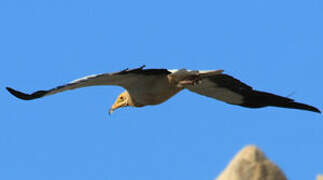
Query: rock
<point x="319" y="177"/>
<point x="251" y="164"/>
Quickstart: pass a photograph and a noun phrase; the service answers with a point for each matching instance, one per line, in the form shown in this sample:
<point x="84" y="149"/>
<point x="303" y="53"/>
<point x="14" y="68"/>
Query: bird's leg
<point x="191" y="80"/>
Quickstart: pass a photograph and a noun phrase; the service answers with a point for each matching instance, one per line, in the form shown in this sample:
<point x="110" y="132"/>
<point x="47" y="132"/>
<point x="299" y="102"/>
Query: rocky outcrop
<point x="319" y="177"/>
<point x="251" y="164"/>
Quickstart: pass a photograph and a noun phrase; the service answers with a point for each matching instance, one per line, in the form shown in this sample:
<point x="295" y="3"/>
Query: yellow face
<point x="122" y="101"/>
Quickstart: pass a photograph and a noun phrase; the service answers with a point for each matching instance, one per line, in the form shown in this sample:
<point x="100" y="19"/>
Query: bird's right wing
<point x="127" y="78"/>
<point x="231" y="90"/>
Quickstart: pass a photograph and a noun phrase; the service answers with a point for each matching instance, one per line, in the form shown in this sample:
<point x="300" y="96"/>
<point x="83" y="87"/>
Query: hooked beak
<point x="116" y="106"/>
<point x="111" y="111"/>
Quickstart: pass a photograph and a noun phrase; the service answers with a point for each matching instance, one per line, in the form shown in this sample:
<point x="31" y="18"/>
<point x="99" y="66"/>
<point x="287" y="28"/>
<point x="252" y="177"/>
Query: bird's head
<point x="123" y="100"/>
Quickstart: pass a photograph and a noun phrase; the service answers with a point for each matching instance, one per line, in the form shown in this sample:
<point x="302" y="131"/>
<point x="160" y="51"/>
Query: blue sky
<point x="274" y="46"/>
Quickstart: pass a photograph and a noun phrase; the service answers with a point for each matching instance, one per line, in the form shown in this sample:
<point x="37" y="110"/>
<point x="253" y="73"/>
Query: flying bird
<point x="155" y="86"/>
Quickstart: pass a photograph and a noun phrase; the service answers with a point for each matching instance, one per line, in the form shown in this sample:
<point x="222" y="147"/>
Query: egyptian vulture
<point x="155" y="86"/>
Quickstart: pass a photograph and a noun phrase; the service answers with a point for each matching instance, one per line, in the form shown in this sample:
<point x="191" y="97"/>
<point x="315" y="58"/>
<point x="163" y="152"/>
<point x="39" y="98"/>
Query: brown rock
<point x="251" y="164"/>
<point x="319" y="177"/>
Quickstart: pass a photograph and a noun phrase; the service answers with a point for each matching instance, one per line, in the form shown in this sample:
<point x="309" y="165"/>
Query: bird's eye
<point x="121" y="98"/>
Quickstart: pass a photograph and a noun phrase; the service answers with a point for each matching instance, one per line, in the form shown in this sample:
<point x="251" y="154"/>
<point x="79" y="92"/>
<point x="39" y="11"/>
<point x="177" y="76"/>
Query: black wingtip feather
<point x="289" y="103"/>
<point x="258" y="99"/>
<point x="302" y="106"/>
<point x="21" y="95"/>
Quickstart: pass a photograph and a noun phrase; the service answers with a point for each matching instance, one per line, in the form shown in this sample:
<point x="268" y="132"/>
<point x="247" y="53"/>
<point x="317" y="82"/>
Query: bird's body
<point x="155" y="86"/>
<point x="160" y="89"/>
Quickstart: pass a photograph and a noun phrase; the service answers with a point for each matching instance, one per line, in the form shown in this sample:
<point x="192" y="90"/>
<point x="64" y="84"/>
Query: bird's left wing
<point x="126" y="78"/>
<point x="230" y="90"/>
